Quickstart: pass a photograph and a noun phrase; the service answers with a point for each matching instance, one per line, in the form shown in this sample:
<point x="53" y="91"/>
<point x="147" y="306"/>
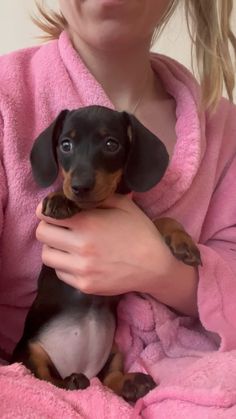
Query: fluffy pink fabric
<point x="23" y="397"/>
<point x="193" y="362"/>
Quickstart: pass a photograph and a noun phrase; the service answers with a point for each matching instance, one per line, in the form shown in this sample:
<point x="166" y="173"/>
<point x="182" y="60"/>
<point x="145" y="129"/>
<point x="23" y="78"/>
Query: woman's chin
<point x="111" y="9"/>
<point x="110" y="36"/>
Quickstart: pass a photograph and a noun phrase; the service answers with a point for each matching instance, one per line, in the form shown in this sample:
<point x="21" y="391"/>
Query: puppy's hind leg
<point x="130" y="386"/>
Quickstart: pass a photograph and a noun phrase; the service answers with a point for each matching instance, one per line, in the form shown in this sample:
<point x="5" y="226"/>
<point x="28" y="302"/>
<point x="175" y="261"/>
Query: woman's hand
<point x="114" y="250"/>
<point x="104" y="251"/>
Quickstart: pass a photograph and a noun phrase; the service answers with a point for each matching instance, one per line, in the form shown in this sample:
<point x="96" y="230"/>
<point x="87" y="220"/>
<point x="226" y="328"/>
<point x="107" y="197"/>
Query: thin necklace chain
<point x="136" y="106"/>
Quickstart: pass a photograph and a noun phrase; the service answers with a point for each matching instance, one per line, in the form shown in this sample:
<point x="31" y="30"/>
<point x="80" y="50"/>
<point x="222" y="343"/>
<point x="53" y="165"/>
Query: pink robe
<point x="193" y="362"/>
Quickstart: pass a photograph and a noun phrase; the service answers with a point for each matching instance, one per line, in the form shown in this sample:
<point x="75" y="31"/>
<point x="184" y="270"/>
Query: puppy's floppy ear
<point x="43" y="154"/>
<point x="148" y="157"/>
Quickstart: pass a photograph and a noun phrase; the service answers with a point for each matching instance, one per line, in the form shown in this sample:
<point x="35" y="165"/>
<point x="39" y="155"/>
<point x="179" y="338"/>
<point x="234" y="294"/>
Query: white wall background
<point x="17" y="31"/>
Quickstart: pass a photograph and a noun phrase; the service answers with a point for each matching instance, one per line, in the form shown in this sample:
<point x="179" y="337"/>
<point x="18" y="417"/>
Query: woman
<point x="100" y="55"/>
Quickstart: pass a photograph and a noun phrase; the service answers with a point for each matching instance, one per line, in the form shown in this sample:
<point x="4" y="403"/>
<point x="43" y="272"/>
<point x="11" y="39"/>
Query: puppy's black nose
<point x="80" y="187"/>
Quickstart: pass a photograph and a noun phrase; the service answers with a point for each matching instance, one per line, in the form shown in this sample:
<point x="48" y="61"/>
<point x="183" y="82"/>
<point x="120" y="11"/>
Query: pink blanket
<point x="194" y="379"/>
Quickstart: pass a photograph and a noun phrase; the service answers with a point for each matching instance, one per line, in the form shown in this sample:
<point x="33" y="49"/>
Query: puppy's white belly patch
<point x="78" y="345"/>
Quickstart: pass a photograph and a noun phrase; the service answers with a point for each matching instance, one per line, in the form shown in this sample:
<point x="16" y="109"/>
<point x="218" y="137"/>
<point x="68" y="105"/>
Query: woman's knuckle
<point x="85" y="268"/>
<point x="87" y="249"/>
<point x="39" y="232"/>
<point x="46" y="255"/>
<point x="86" y="287"/>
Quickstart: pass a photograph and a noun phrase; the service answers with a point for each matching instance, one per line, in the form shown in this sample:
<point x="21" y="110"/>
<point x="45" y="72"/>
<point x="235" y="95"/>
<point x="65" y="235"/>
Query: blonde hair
<point x="208" y="23"/>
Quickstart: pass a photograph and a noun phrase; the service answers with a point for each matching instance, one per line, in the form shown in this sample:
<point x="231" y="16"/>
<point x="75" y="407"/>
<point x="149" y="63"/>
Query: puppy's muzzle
<point x="80" y="186"/>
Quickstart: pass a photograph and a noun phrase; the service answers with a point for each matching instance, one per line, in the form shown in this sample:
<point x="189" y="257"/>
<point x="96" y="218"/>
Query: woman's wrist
<point x="175" y="283"/>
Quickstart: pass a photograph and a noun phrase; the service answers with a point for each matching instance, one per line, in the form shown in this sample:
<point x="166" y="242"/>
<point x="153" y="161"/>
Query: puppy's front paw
<point x="57" y="206"/>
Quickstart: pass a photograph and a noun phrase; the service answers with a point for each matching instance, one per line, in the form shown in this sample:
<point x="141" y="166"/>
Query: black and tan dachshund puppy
<point x="68" y="335"/>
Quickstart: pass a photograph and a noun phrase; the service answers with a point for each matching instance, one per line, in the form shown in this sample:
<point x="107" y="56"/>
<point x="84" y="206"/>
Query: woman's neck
<point x="128" y="80"/>
<point x="125" y="74"/>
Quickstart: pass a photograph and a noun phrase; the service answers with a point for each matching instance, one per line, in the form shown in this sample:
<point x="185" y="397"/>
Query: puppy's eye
<point x="66" y="146"/>
<point x="111" y="145"/>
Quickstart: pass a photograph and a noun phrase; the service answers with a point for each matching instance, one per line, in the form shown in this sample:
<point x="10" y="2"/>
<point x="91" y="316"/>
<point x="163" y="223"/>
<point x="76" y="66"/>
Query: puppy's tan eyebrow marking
<point x="72" y="133"/>
<point x="103" y="132"/>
